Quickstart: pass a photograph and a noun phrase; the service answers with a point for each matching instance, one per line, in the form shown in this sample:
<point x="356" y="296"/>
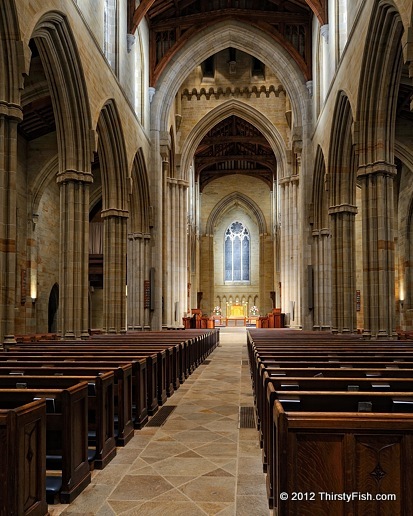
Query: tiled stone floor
<point x="199" y="462"/>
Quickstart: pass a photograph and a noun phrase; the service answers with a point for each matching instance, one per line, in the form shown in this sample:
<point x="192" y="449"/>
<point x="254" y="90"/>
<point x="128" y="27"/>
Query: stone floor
<point x="199" y="462"/>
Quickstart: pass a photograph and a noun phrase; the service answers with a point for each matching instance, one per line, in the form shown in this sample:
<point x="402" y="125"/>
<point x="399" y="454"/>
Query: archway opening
<point x="53" y="307"/>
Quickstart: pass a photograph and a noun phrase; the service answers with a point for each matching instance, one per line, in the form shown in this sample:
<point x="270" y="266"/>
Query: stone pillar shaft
<point x="176" y="255"/>
<point x="343" y="269"/>
<point x="8" y="168"/>
<point x="174" y="258"/>
<point x="74" y="258"/>
<point x="290" y="271"/>
<point x="167" y="247"/>
<point x="183" y="210"/>
<point x="114" y="272"/>
<point x="322" y="280"/>
<point x="138" y="272"/>
<point x="378" y="253"/>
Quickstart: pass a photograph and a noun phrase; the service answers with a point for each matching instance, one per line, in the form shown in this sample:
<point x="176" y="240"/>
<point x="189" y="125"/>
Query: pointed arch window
<point x="237" y="246"/>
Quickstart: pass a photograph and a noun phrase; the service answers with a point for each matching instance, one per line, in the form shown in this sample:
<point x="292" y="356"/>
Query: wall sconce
<point x="33" y="288"/>
<point x="401" y="303"/>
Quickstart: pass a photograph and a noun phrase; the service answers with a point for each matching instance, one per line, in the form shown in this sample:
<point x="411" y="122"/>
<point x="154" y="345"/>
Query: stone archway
<point x="215" y="38"/>
<point x="53" y="308"/>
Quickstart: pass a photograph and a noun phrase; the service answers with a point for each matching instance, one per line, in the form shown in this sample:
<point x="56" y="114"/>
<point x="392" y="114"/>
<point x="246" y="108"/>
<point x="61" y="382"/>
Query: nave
<point x="199" y="461"/>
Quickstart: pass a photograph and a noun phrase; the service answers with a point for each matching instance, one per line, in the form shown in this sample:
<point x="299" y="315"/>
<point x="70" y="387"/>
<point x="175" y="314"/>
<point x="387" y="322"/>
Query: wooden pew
<point x="326" y="364"/>
<point x="122" y="392"/>
<point x="167" y="358"/>
<point x="274" y="386"/>
<point x="101" y="438"/>
<point x="66" y="437"/>
<point x="23" y="459"/>
<point x="353" y="363"/>
<point x="149" y="371"/>
<point x="323" y="443"/>
<point x="191" y="346"/>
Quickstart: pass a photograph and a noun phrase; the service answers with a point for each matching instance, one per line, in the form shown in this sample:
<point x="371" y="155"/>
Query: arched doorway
<point x="53" y="307"/>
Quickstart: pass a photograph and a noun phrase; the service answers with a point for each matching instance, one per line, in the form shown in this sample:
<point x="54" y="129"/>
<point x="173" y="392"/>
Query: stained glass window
<point x="237" y="253"/>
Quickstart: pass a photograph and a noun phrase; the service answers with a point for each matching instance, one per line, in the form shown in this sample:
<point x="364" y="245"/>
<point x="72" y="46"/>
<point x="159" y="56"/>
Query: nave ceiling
<point x="173" y="22"/>
<point x="234" y="146"/>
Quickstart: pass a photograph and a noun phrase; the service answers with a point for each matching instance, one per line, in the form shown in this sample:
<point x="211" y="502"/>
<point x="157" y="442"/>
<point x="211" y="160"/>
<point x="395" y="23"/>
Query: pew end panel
<point x="359" y="454"/>
<point x="23" y="459"/>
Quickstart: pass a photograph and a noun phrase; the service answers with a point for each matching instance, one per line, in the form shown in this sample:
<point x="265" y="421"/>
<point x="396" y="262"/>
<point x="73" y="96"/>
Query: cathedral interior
<point x="163" y="156"/>
<point x="187" y="165"/>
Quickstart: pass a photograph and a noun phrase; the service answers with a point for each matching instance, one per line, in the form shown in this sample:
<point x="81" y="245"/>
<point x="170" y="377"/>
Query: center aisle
<point x="199" y="461"/>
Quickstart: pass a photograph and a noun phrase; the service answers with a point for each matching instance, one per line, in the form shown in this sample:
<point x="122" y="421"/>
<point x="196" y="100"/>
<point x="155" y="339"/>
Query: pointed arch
<point x="112" y="156"/>
<point x="242" y="110"/>
<point x="320" y="195"/>
<point x="341" y="167"/>
<point x="140" y="199"/>
<point x="229" y="201"/>
<point x="60" y="57"/>
<point x="342" y="210"/>
<point x="53" y="307"/>
<point x="377" y="106"/>
<point x="11" y="51"/>
<point x="321" y="249"/>
<point x="382" y="66"/>
<point x="235" y="34"/>
<point x="41" y="181"/>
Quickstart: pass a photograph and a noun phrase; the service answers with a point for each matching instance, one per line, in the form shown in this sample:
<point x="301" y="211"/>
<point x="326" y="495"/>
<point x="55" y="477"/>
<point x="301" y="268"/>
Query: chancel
<point x="219" y="168"/>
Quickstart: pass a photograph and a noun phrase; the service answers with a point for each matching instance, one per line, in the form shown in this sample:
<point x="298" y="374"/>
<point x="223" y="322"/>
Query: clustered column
<point x="343" y="268"/>
<point x="138" y="272"/>
<point x="378" y="249"/>
<point x="8" y="167"/>
<point x="290" y="272"/>
<point x="74" y="254"/>
<point x="114" y="270"/>
<point x="176" y="255"/>
<point x="322" y="279"/>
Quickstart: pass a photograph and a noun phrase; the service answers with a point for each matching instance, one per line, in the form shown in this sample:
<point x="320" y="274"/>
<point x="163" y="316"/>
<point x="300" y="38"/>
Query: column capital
<point x="377" y="168"/>
<point x="12" y="111"/>
<point x="139" y="236"/>
<point x="324" y="232"/>
<point x="325" y="31"/>
<point x="289" y="179"/>
<point x="342" y="208"/>
<point x="74" y="176"/>
<point x="183" y="183"/>
<point x="114" y="212"/>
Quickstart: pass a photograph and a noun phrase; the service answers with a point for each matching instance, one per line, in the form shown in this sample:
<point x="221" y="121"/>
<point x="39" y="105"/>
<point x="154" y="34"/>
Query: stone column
<point x="290" y="242"/>
<point x="322" y="280"/>
<point x="157" y="243"/>
<point x="378" y="249"/>
<point x="343" y="318"/>
<point x="133" y="275"/>
<point x="167" y="244"/>
<point x="74" y="254"/>
<point x="114" y="270"/>
<point x="138" y="272"/>
<point x="8" y="169"/>
<point x="183" y="266"/>
<point x="173" y="259"/>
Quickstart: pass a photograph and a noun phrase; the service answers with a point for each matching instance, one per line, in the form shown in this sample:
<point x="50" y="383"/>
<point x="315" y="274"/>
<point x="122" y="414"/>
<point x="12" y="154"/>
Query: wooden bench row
<point x="123" y="380"/>
<point x="336" y="419"/>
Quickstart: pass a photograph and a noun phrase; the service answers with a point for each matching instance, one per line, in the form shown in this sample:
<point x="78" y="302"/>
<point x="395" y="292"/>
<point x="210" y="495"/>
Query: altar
<point x="236" y="321"/>
<point x="236" y="314"/>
